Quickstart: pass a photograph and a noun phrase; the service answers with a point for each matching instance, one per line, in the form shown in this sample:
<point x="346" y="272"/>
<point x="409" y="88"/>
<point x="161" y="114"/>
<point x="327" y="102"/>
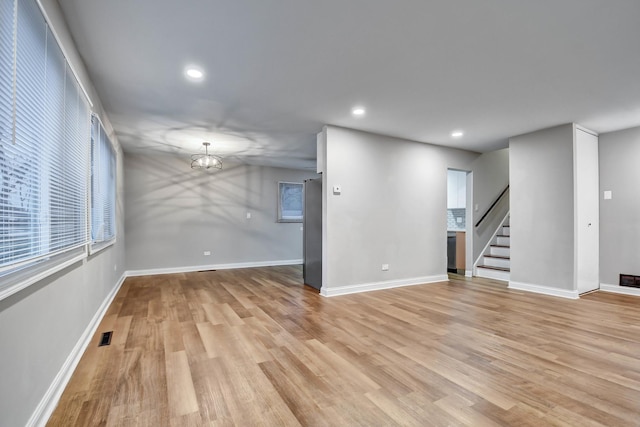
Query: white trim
<point x="94" y="248"/>
<point x="484" y="250"/>
<point x="375" y="286"/>
<point x="624" y="290"/>
<point x="546" y="290"/>
<point x="584" y="129"/>
<point x="468" y="273"/>
<point x="50" y="399"/>
<point x="56" y="265"/>
<point x="188" y="269"/>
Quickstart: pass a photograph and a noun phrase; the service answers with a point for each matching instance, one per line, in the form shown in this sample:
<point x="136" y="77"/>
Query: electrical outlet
<point x="248" y="215"/>
<point x="385" y="267"/>
<point x="207" y="253"/>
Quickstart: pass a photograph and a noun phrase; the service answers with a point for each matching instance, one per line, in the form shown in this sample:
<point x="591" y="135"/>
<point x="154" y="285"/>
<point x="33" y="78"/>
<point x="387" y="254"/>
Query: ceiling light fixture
<point x="206" y="160"/>
<point x="194" y="73"/>
<point x="457" y="134"/>
<point x="358" y="111"/>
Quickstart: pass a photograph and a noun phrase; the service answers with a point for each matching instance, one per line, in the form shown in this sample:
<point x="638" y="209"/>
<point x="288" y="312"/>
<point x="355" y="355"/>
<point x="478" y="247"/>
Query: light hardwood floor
<point x="254" y="347"/>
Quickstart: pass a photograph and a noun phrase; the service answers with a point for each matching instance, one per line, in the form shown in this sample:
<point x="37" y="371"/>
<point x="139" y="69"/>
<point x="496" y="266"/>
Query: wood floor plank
<point x="182" y="395"/>
<point x="253" y="347"/>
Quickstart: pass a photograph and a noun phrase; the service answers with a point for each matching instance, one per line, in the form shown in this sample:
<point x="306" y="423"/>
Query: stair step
<point x="499" y="250"/>
<point x="490" y="267"/>
<point x="503" y="240"/>
<point x="497" y="261"/>
<point x="493" y="273"/>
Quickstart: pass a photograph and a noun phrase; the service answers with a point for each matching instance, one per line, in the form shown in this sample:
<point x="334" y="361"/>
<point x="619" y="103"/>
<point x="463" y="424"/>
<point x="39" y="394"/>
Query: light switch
<point x="337" y="189"/>
<point x="607" y="195"/>
<point x="248" y="215"/>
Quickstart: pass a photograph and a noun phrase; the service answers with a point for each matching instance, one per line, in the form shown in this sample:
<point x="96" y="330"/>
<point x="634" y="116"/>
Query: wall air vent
<point x="630" y="281"/>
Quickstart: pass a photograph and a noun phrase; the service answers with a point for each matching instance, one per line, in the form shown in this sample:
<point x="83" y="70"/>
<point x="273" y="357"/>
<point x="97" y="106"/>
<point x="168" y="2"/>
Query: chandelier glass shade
<point x="206" y="160"/>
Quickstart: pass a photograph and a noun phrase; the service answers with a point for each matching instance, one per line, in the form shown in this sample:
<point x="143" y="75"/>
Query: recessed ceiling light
<point x="358" y="111"/>
<point x="194" y="73"/>
<point x="457" y="133"/>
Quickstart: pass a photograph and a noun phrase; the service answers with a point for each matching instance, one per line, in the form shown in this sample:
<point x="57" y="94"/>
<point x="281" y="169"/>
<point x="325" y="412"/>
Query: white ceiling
<point x="277" y="70"/>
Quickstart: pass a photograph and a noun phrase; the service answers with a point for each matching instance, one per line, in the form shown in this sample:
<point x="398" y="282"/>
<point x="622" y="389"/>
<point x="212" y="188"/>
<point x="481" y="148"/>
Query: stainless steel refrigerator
<point x="312" y="233"/>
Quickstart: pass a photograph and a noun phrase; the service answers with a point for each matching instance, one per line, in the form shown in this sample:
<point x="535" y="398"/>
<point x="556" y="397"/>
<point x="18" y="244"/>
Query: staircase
<point x="495" y="263"/>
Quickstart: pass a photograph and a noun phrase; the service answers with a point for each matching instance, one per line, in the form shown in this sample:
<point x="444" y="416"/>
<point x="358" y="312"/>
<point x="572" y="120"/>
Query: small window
<point x="103" y="185"/>
<point x="290" y="201"/>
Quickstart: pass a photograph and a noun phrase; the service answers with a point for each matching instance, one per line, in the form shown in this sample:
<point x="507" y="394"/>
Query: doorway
<point x="459" y="184"/>
<point x="587" y="215"/>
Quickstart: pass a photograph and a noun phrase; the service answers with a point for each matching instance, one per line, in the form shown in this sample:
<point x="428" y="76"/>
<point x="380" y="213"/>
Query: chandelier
<point x="206" y="160"/>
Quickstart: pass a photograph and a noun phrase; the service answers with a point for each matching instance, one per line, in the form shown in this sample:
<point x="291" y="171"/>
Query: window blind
<point x="103" y="184"/>
<point x="44" y="134"/>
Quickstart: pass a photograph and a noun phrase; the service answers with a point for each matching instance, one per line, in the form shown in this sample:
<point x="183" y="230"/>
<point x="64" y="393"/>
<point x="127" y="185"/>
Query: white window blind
<point x="44" y="142"/>
<point x="103" y="184"/>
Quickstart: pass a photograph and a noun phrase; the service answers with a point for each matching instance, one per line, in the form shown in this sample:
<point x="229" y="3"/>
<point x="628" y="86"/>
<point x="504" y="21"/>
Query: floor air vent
<point x="630" y="281"/>
<point x="106" y="339"/>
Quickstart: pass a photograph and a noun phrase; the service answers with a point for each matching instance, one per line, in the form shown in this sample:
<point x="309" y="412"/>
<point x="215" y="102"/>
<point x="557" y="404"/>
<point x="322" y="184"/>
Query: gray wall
<point x="490" y="178"/>
<point x="542" y="216"/>
<point x="392" y="208"/>
<point x="40" y="325"/>
<point x="619" y="217"/>
<point x="174" y="214"/>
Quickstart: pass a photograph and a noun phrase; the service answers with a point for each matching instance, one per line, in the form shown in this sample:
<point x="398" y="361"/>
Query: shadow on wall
<point x="172" y="183"/>
<point x="166" y="190"/>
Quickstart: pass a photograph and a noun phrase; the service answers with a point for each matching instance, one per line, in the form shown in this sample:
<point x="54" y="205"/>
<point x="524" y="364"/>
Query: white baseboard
<point x="620" y="289"/>
<point x="375" y="286"/>
<point x="189" y="269"/>
<point x="468" y="273"/>
<point x="546" y="290"/>
<point x="50" y="399"/>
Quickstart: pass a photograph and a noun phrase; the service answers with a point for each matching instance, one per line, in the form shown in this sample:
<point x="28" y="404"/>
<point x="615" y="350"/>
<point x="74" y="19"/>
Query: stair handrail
<point x="493" y="205"/>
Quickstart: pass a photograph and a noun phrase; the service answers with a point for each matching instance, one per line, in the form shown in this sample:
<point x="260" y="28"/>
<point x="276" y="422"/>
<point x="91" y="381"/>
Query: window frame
<point x="290" y="219"/>
<point x="20" y="274"/>
<point x="97" y="246"/>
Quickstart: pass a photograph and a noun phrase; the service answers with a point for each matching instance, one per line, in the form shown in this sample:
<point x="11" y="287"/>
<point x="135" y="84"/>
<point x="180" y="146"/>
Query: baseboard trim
<point x="468" y="273"/>
<point x="546" y="290"/>
<point x="189" y="269"/>
<point x="376" y="286"/>
<point x="50" y="399"/>
<point x="620" y="289"/>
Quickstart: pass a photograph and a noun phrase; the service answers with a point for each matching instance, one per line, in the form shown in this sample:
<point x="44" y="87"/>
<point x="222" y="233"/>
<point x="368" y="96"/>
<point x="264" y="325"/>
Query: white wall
<point x="40" y="325"/>
<point x="620" y="216"/>
<point x="542" y="214"/>
<point x="392" y="210"/>
<point x="175" y="213"/>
